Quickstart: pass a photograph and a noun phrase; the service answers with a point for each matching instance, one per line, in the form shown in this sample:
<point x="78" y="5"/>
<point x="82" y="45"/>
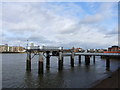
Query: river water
<point x="14" y="74"/>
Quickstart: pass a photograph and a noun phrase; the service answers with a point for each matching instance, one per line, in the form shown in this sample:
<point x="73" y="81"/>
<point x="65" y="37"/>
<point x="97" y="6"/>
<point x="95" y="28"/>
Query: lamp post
<point x="27" y="44"/>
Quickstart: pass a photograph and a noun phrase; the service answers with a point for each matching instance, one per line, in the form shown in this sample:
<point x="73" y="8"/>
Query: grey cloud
<point x="113" y="32"/>
<point x="15" y="40"/>
<point x="92" y="19"/>
<point x="107" y="36"/>
<point x="9" y="38"/>
<point x="110" y="33"/>
<point x="84" y="45"/>
<point x="72" y="29"/>
<point x="37" y="21"/>
<point x="39" y="39"/>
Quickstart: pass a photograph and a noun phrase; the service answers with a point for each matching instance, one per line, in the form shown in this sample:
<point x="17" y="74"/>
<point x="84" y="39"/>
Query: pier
<point x="48" y="52"/>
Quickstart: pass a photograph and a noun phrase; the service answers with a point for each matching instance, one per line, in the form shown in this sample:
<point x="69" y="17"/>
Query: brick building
<point x="113" y="49"/>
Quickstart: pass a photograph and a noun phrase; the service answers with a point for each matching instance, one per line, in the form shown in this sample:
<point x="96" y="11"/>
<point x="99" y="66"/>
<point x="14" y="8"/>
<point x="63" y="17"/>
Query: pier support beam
<point x="79" y="59"/>
<point x="72" y="59"/>
<point x="48" y="59"/>
<point x="28" y="61"/>
<point x="93" y="59"/>
<point x="40" y="64"/>
<point x="60" y="61"/>
<point x="87" y="60"/>
<point x="107" y="63"/>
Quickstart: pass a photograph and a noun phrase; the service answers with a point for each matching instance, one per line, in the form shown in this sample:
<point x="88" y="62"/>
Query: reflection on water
<point x="79" y="76"/>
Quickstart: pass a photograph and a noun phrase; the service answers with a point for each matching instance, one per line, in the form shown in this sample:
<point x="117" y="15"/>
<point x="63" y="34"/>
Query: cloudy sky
<point x="67" y="24"/>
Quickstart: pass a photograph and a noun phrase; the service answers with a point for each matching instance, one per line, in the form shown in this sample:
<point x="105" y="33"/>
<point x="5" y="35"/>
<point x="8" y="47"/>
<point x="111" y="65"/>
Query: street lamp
<point x="27" y="44"/>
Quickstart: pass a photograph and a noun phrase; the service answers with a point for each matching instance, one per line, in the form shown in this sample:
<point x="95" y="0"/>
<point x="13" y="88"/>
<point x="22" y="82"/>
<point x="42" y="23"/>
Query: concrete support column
<point x="40" y="64"/>
<point x="72" y="59"/>
<point x="48" y="59"/>
<point x="60" y="61"/>
<point x="87" y="60"/>
<point x="107" y="63"/>
<point x="79" y="59"/>
<point x="93" y="59"/>
<point x="28" y="61"/>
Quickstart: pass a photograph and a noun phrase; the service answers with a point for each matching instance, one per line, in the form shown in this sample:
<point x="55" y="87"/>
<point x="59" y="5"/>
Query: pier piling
<point x="93" y="59"/>
<point x="87" y="60"/>
<point x="28" y="61"/>
<point x="40" y="64"/>
<point x="79" y="59"/>
<point x="62" y="56"/>
<point x="107" y="63"/>
<point x="47" y="59"/>
<point x="60" y="61"/>
<point x="72" y="59"/>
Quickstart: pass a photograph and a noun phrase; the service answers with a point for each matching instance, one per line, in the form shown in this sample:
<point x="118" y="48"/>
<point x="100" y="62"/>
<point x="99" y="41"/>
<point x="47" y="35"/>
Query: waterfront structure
<point x="75" y="50"/>
<point x="18" y="49"/>
<point x="113" y="49"/>
<point x="66" y="50"/>
<point x="78" y="50"/>
<point x="41" y="50"/>
<point x="100" y="50"/>
<point x="96" y="50"/>
<point x="47" y="52"/>
<point x="6" y="48"/>
<point x="32" y="44"/>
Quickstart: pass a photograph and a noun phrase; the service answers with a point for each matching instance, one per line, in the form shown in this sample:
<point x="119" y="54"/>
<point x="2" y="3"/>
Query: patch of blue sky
<point x="65" y="9"/>
<point x="110" y="23"/>
<point x="7" y="34"/>
<point x="75" y="9"/>
<point x="90" y="8"/>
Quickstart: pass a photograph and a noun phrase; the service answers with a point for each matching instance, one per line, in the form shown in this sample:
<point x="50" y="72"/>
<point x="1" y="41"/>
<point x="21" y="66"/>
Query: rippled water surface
<point x="14" y="73"/>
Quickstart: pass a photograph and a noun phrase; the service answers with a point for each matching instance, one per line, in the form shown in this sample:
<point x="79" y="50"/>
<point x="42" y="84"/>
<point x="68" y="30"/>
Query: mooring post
<point x="40" y="64"/>
<point x="79" y="59"/>
<point x="47" y="59"/>
<point x="87" y="59"/>
<point x="60" y="61"/>
<point x="93" y="59"/>
<point x="107" y="62"/>
<point x="72" y="59"/>
<point x="28" y="62"/>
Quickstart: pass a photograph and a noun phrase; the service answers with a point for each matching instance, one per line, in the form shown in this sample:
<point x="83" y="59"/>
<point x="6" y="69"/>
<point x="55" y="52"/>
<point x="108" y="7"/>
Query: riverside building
<point x="6" y="48"/>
